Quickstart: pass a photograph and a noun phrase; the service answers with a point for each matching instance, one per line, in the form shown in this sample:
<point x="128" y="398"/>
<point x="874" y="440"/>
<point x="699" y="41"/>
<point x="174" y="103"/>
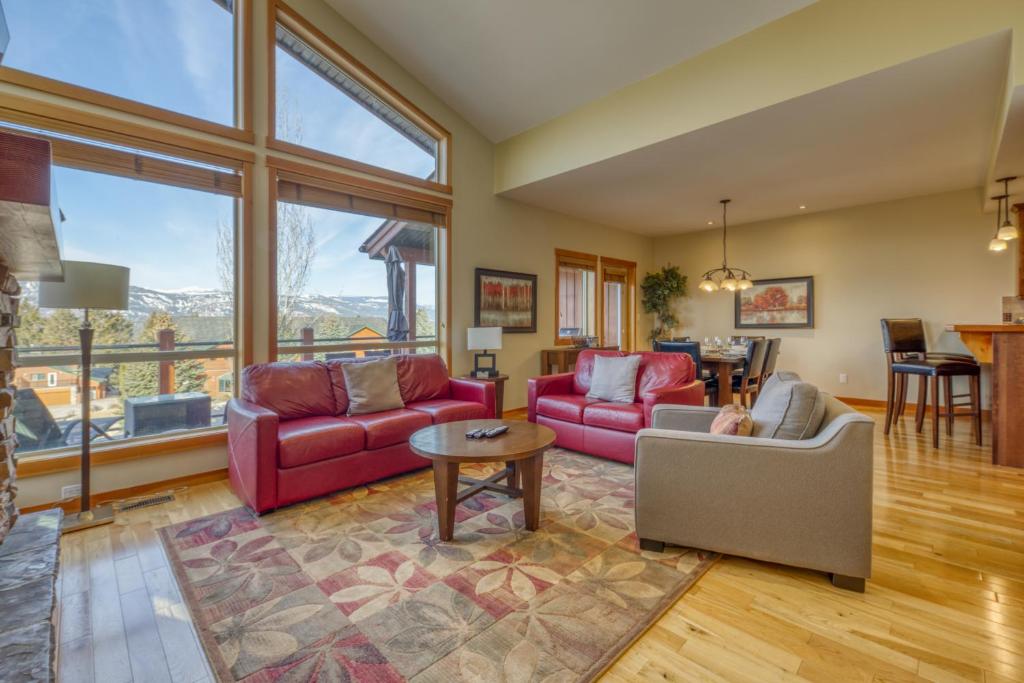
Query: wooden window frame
<point x="121" y="163"/>
<point x="242" y="88"/>
<point x="295" y="23"/>
<point x="584" y="260"/>
<point x="344" y="185"/>
<point x="597" y="264"/>
<point x="629" y="343"/>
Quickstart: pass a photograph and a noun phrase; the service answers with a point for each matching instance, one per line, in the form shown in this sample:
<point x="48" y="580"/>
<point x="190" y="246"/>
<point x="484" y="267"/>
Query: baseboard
<point x="880" y="405"/>
<point x="71" y="505"/>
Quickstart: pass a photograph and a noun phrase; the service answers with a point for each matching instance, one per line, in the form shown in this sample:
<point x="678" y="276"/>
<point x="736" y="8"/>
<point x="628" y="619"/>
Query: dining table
<point x="723" y="363"/>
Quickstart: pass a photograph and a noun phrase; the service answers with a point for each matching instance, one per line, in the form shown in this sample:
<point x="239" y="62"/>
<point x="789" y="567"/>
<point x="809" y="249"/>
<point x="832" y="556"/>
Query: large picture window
<point x="166" y="364"/>
<point x="328" y="105"/>
<point x="356" y="275"/>
<point x="126" y="48"/>
<point x="596" y="300"/>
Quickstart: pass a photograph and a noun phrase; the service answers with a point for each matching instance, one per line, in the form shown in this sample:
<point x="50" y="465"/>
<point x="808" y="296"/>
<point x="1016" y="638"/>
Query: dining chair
<point x="906" y="353"/>
<point x="748" y="381"/>
<point x="770" y="358"/>
<point x="692" y="349"/>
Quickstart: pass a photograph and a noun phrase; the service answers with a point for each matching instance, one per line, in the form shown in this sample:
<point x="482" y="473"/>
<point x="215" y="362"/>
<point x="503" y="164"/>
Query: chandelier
<point x="726" y="278"/>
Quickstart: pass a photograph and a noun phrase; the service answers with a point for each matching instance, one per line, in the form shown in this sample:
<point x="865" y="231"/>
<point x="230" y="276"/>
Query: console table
<point x="563" y="358"/>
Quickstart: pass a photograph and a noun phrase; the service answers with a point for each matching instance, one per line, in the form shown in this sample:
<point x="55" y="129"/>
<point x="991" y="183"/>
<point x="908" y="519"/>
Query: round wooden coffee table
<point x="521" y="448"/>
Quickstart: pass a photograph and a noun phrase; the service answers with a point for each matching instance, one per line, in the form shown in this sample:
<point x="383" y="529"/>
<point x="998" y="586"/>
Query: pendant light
<point x="725" y="278"/>
<point x="996" y="244"/>
<point x="1008" y="231"/>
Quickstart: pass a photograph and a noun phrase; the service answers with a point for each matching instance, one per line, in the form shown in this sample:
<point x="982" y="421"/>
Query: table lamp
<point x="87" y="285"/>
<point x="484" y="339"/>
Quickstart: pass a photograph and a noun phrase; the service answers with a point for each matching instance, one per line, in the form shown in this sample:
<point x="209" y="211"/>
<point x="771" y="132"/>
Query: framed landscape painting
<point x="786" y="302"/>
<point x="506" y="300"/>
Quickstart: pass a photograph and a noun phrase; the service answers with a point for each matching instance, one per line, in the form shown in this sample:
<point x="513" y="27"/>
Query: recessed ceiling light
<point x="802" y="207"/>
<point x="711" y="222"/>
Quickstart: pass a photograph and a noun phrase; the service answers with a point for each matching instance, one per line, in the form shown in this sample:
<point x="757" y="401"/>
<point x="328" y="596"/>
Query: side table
<point x="499" y="391"/>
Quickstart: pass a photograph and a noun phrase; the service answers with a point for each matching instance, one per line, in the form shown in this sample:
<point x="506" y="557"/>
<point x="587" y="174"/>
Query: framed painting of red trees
<point x="786" y="302"/>
<point x="506" y="300"/>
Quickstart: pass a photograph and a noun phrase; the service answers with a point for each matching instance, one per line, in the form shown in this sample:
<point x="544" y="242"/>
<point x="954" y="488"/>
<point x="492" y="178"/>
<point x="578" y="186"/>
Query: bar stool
<point x="907" y="354"/>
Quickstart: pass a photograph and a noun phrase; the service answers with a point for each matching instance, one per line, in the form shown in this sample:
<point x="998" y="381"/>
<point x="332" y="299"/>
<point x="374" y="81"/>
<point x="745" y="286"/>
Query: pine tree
<point x="111" y="327"/>
<point x="30" y="330"/>
<point x="60" y="328"/>
<point x="142" y="379"/>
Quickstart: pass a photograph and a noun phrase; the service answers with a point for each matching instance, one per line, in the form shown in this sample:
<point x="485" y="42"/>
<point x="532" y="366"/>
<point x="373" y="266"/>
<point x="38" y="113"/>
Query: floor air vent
<point x="145" y="502"/>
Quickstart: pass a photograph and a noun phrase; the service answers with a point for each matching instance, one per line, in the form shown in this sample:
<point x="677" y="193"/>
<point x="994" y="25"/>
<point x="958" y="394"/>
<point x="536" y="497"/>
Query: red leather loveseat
<point x="609" y="429"/>
<point x="289" y="438"/>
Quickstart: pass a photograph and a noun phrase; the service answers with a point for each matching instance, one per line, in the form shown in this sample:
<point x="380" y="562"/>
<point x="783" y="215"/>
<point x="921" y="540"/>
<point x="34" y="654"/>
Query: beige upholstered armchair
<point x="804" y="502"/>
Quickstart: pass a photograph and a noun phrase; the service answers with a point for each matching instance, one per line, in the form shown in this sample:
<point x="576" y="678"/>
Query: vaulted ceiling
<point x="643" y="115"/>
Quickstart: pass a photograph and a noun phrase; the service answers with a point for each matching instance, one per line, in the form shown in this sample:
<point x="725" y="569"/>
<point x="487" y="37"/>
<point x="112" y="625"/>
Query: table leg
<point x="724" y="384"/>
<point x="512" y="467"/>
<point x="446" y="490"/>
<point x="531" y="469"/>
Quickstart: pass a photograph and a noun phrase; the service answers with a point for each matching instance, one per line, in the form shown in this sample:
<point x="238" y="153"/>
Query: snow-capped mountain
<point x="212" y="303"/>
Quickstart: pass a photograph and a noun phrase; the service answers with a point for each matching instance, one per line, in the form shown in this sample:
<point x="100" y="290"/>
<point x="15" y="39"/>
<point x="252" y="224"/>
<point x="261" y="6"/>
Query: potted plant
<point x="660" y="290"/>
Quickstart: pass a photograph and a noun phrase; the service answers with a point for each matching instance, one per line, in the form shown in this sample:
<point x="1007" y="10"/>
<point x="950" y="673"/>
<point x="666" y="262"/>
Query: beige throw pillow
<point x="614" y="378"/>
<point x="372" y="386"/>
<point x="732" y="420"/>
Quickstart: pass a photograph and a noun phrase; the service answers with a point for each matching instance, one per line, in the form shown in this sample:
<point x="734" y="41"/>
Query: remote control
<point x="475" y="433"/>
<point x="497" y="431"/>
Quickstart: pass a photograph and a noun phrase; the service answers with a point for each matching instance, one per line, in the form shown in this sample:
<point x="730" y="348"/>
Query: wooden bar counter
<point x="1003" y="347"/>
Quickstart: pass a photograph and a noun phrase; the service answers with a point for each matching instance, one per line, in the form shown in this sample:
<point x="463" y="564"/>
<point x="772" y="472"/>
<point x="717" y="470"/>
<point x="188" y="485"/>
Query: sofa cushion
<point x="623" y="417"/>
<point x="449" y="410"/>
<point x="422" y="376"/>
<point x="311" y="439"/>
<point x="614" y="378"/>
<point x="585" y="369"/>
<point x="568" y="407"/>
<point x="290" y="389"/>
<point x="787" y="408"/>
<point x="391" y="426"/>
<point x="372" y="387"/>
<point x="337" y="376"/>
<point x="664" y="370"/>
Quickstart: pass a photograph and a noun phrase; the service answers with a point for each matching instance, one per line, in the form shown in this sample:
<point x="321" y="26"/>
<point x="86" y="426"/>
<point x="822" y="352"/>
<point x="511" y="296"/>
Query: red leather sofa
<point x="290" y="440"/>
<point x="609" y="429"/>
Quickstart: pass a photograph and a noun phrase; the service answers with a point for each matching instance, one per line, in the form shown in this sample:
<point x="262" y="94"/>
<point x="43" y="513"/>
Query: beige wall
<point x="488" y="231"/>
<point x="923" y="257"/>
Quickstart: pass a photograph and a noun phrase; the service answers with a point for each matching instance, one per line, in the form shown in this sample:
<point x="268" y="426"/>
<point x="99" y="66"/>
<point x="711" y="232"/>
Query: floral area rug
<point x="356" y="586"/>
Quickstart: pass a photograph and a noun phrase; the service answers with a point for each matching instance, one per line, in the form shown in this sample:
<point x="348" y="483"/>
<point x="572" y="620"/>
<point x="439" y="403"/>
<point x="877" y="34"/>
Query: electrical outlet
<point x="69" y="492"/>
<point x="844" y="378"/>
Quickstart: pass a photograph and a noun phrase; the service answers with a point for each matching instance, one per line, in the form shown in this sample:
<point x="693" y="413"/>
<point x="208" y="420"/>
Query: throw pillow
<point x="372" y="386"/>
<point x="787" y="408"/>
<point x="614" y="378"/>
<point x="732" y="420"/>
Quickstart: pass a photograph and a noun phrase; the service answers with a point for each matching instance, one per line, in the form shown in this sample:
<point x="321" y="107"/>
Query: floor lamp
<point x="87" y="286"/>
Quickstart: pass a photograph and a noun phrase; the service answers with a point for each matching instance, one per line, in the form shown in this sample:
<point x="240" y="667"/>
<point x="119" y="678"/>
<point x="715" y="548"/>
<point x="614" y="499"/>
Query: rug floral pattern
<point x="357" y="587"/>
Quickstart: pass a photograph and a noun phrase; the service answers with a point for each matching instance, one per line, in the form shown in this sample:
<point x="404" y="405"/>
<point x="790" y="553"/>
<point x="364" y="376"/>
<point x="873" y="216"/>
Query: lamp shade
<point x="483" y="339"/>
<point x="87" y="285"/>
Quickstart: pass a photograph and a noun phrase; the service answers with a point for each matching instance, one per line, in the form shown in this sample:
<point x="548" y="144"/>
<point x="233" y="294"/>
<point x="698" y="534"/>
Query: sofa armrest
<point x="806" y="503"/>
<point x="252" y="453"/>
<point x="545" y="384"/>
<point x="691" y="394"/>
<point x="683" y="418"/>
<point x="475" y="391"/>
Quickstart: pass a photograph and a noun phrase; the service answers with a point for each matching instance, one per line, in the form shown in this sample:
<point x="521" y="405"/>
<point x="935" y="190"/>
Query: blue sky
<point x="177" y="54"/>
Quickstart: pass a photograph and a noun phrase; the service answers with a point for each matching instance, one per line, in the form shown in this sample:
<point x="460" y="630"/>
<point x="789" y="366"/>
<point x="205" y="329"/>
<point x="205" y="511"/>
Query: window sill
<point x="67" y="460"/>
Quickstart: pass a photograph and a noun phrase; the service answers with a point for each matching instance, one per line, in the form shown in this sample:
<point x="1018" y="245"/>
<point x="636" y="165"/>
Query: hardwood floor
<point x="946" y="602"/>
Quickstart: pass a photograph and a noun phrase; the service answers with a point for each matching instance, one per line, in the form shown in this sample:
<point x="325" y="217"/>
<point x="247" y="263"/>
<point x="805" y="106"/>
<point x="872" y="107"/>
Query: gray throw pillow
<point x="372" y="386"/>
<point x="788" y="408"/>
<point x="614" y="378"/>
